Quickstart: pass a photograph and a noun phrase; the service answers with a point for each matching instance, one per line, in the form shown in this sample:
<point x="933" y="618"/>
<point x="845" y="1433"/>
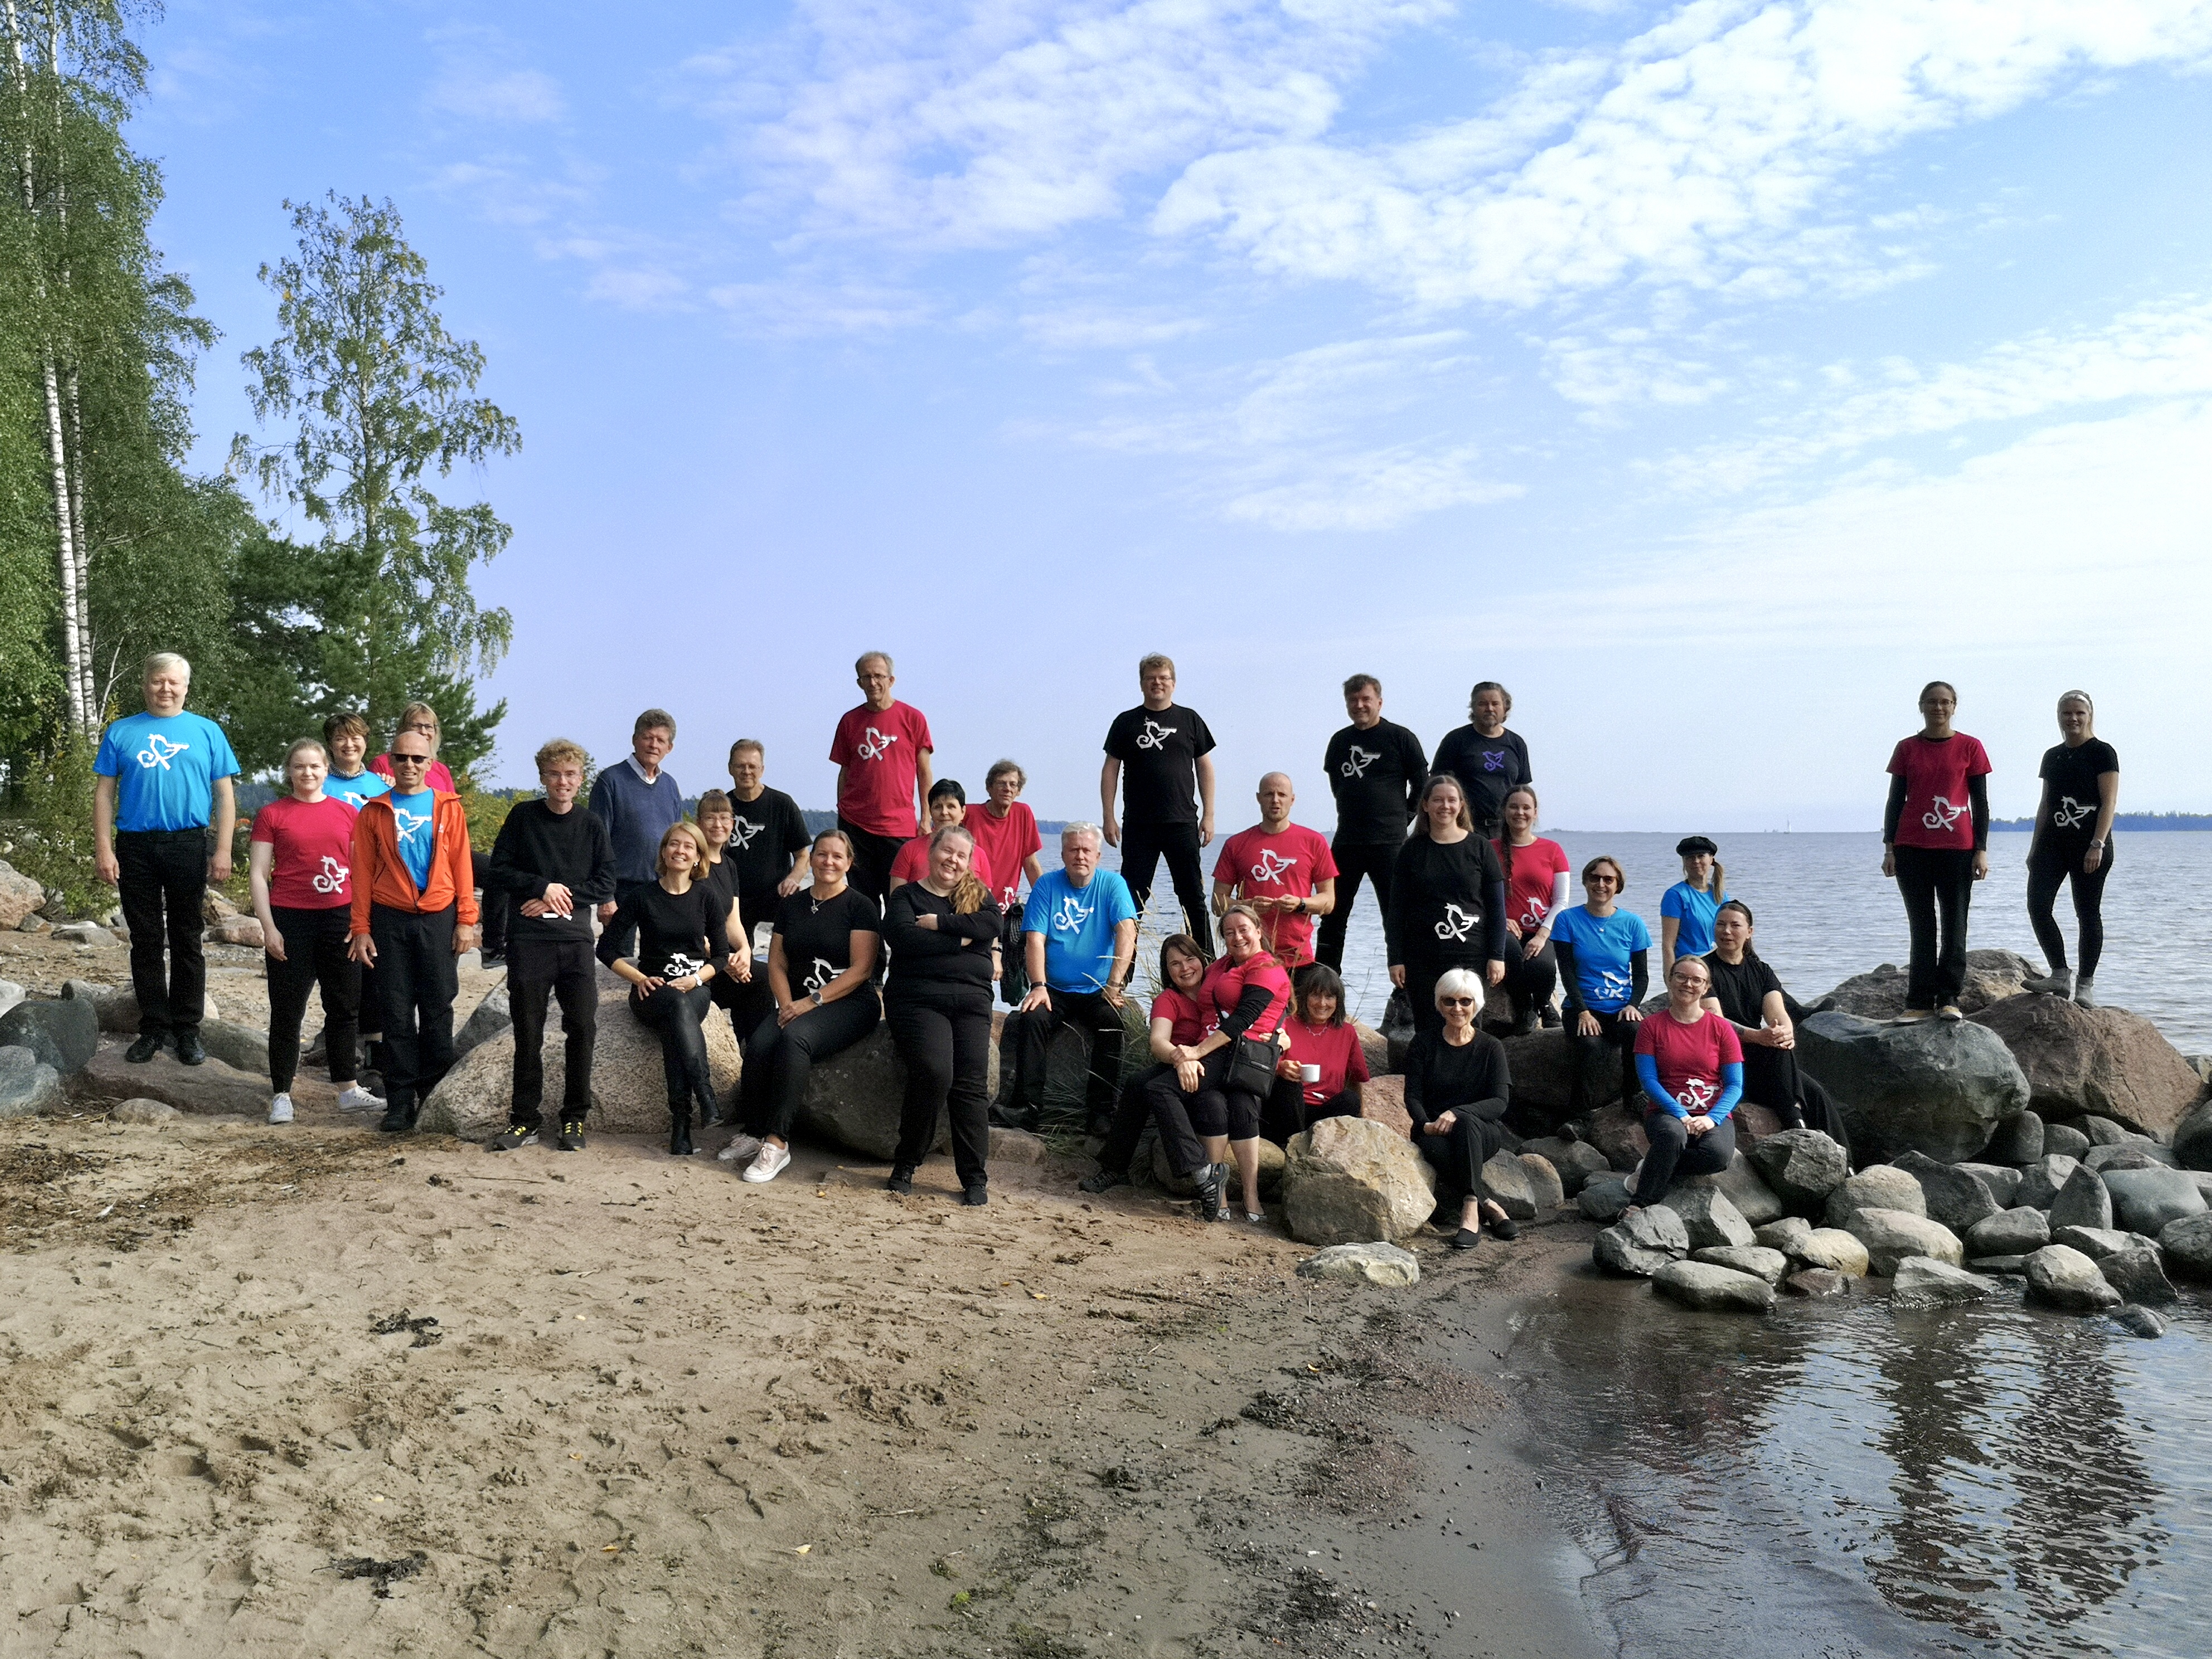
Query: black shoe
<point x="1507" y="1230"/>
<point x="1015" y="1117"/>
<point x="975" y="1197"/>
<point x="145" y="1049"/>
<point x="679" y="1137"/>
<point x="1103" y="1181"/>
<point x="189" y="1049"/>
<point x="1211" y="1180"/>
<point x="1524" y="1022"/>
<point x="1466" y="1239"/>
<point x="902" y="1180"/>
<point x="492" y="958"/>
<point x="1549" y="1018"/>
<point x="572" y="1136"/>
<point x="398" y="1120"/>
<point x="515" y="1137"/>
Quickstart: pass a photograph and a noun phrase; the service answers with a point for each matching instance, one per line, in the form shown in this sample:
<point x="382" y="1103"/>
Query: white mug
<point x="1309" y="1073"/>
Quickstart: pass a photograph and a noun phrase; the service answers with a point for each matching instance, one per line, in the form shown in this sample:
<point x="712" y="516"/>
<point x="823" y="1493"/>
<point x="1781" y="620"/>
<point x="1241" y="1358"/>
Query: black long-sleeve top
<point x="1571" y="984"/>
<point x="1447" y="903"/>
<point x="1977" y="799"/>
<point x="1376" y="777"/>
<point x="1472" y="1079"/>
<point x="949" y="964"/>
<point x="678" y="934"/>
<point x="536" y="846"/>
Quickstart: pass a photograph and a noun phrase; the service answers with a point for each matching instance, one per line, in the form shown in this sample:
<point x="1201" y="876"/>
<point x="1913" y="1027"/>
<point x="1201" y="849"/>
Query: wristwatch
<point x="815" y="997"/>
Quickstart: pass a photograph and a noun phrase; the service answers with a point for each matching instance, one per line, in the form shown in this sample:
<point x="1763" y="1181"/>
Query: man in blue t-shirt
<point x="1078" y="941"/>
<point x="159" y="780"/>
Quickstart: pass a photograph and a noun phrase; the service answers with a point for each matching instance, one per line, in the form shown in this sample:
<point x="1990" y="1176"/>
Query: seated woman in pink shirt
<point x="1320" y="1072"/>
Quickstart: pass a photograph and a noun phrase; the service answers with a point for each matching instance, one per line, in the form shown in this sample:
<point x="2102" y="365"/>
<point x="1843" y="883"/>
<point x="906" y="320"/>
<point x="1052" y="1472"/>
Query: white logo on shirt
<point x="1696" y="1095"/>
<point x="1942" y="815"/>
<point x="1534" y="913"/>
<point x="681" y="967"/>
<point x="1154" y="736"/>
<point x="408" y="823"/>
<point x="1456" y="924"/>
<point x="1271" y="865"/>
<point x="333" y="877"/>
<point x="158" y="752"/>
<point x="1613" y="987"/>
<point x="742" y="831"/>
<point x="2070" y="814"/>
<point x="877" y="744"/>
<point x="1071" y="916"/>
<point x="1357" y="760"/>
<point x="822" y="974"/>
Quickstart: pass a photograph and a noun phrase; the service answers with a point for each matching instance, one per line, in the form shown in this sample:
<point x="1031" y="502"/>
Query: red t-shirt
<point x="313" y="867"/>
<point x="1336" y="1050"/>
<point x="912" y="864"/>
<point x="434" y="775"/>
<point x="881" y="753"/>
<point x="1285" y="866"/>
<point x="1224" y="988"/>
<point x="1937" y="812"/>
<point x="1009" y="841"/>
<point x="1690" y="1057"/>
<point x="1530" y="889"/>
<point x="1189" y="1026"/>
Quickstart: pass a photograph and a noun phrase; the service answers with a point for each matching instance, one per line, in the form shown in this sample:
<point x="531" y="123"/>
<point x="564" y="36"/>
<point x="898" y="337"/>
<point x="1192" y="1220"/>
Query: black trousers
<point x="872" y="857"/>
<point x="1675" y="1156"/>
<point x="1013" y="973"/>
<point x="1139" y="1102"/>
<point x="1529" y="980"/>
<point x="1938" y="885"/>
<point x="162" y="877"/>
<point x="678" y="1019"/>
<point x="1216" y="1108"/>
<point x="1773" y="1079"/>
<point x="1089" y="1010"/>
<point x="780" y="1059"/>
<point x="620" y="939"/>
<point x="1286" y="1113"/>
<point x="537" y="970"/>
<point x="947" y="1051"/>
<point x="2058" y="864"/>
<point x="417" y="981"/>
<point x="493" y="909"/>
<point x="1143" y="846"/>
<point x="1460" y="1153"/>
<point x="1604" y="1064"/>
<point x="1374" y="861"/>
<point x="314" y="955"/>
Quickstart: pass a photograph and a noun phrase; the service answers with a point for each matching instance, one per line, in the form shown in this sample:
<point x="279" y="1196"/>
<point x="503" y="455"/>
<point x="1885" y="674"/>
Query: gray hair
<point x="1460" y="982"/>
<point x="161" y="660"/>
<point x="1082" y="830"/>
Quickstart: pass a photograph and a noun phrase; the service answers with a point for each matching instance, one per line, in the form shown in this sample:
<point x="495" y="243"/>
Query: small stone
<point x="2064" y="1140"/>
<point x="2096" y="1242"/>
<point x="1545" y="1187"/>
<point x="1709" y="1218"/>
<point x="2147" y="1200"/>
<point x="62" y="1033"/>
<point x="1955" y="1197"/>
<point x="1998" y="1264"/>
<point x="1020" y="1146"/>
<point x="2139" y="1321"/>
<point x="1921" y="1282"/>
<point x="1504" y="1182"/>
<point x="235" y="1045"/>
<point x="28" y="1084"/>
<point x="1801" y="1167"/>
<point x="141" y="1110"/>
<point x="1641" y="1243"/>
<point x="2010" y="1232"/>
<point x="2083" y="1202"/>
<point x="1709" y="1289"/>
<point x="237" y="930"/>
<point x="1753" y="1259"/>
<point x="1754" y="1201"/>
<point x="1785" y="1234"/>
<point x="1879" y="1186"/>
<point x="1603" y="1198"/>
<point x="1892" y="1236"/>
<point x="2187" y="1247"/>
<point x="2019" y="1139"/>
<point x="1816" y="1282"/>
<point x="2001" y="1179"/>
<point x="2067" y="1279"/>
<point x="85" y="932"/>
<point x="2041" y="1181"/>
<point x="2137" y="1275"/>
<point x="1375" y="1263"/>
<point x="1834" y="1249"/>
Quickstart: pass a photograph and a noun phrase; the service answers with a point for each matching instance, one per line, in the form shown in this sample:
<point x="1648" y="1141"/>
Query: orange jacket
<point x="381" y="876"/>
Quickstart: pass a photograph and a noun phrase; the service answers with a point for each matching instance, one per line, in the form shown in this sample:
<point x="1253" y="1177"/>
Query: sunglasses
<point x="1455" y="1002"/>
<point x="410" y="760"/>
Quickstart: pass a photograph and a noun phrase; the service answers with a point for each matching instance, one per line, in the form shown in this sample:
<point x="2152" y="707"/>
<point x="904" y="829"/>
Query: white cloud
<point x="1092" y="328"/>
<point x="1627" y="367"/>
<point x="1371" y="490"/>
<point x="638" y="288"/>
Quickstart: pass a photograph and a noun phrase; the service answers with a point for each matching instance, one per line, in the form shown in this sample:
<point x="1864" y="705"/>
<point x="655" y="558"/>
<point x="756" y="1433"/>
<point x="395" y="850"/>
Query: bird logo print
<point x="822" y="974"/>
<point x="408" y="823"/>
<point x="1942" y="815"/>
<point x="1357" y="760"/>
<point x="877" y="744"/>
<point x="1456" y="924"/>
<point x="1154" y="736"/>
<point x="333" y="877"/>
<point x="1611" y="987"/>
<point x="1071" y="916"/>
<point x="2070" y="814"/>
<point x="1533" y="914"/>
<point x="742" y="831"/>
<point x="1271" y="867"/>
<point x="1696" y="1096"/>
<point x="158" y="750"/>
<point x="1493" y="760"/>
<point x="681" y="966"/>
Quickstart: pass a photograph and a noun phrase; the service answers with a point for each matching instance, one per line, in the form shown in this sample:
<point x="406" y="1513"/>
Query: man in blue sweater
<point x="637" y="801"/>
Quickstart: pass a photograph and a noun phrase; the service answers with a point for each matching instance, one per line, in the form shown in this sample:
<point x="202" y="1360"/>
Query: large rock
<point x="240" y="1046"/>
<point x="28" y="1084"/>
<point x="1618" y="1134"/>
<point x="1801" y="1167"/>
<point x="84" y="933"/>
<point x="116" y="1006"/>
<point x="2083" y="1202"/>
<point x="1923" y="1282"/>
<point x="494" y="1015"/>
<point x="2105" y="1061"/>
<point x="1504" y="1182"/>
<point x="1877" y="1187"/>
<point x="2192" y="1139"/>
<point x="1641" y="1243"/>
<point x="1603" y="1198"/>
<point x="2139" y="1321"/>
<point x="1956" y="1197"/>
<point x="1710" y="1288"/>
<point x="1754" y="1258"/>
<point x="2103" y="1130"/>
<point x="1542" y="1067"/>
<point x="1890" y="1236"/>
<point x="1754" y="1201"/>
<point x="2138" y="1275"/>
<point x="1816" y="1282"/>
<point x="2187" y="1246"/>
<point x="1834" y="1249"/>
<point x="210" y="1089"/>
<point x="1382" y="1100"/>
<point x="2009" y="1232"/>
<point x="1272" y="1162"/>
<point x="1374" y="1048"/>
<point x="2147" y="1200"/>
<point x="2042" y="1182"/>
<point x="854" y="1099"/>
<point x="1574" y="1161"/>
<point x="1350" y="1181"/>
<point x="2064" y="1279"/>
<point x="2098" y="1243"/>
<point x="1708" y="1218"/>
<point x="19" y="897"/>
<point x="10" y="994"/>
<point x="1370" y="1264"/>
<point x="2065" y="1140"/>
<point x="1932" y="1087"/>
<point x="63" y="1033"/>
<point x="2019" y="1139"/>
<point x="1991" y="977"/>
<point x="237" y="930"/>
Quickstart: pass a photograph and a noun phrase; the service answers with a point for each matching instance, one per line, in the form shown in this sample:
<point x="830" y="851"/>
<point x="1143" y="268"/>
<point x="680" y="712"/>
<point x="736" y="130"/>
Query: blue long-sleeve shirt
<point x="637" y="815"/>
<point x="1647" y="1073"/>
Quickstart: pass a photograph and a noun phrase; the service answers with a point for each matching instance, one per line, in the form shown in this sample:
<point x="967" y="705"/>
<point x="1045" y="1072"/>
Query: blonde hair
<point x="416" y="711"/>
<point x="161" y="660"/>
<point x="299" y="743"/>
<point x="690" y="832"/>
<point x="833" y="835"/>
<point x="1156" y="659"/>
<point x="1241" y="908"/>
<point x="969" y="892"/>
<point x="560" y="751"/>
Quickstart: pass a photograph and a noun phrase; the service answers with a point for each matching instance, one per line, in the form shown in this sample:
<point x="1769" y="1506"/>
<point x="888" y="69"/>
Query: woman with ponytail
<point x="1687" y="908"/>
<point x="1536" y="888"/>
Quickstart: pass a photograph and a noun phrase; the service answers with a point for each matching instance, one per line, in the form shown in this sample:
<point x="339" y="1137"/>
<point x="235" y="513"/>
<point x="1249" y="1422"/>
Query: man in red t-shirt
<point x="881" y="752"/>
<point x="1282" y="870"/>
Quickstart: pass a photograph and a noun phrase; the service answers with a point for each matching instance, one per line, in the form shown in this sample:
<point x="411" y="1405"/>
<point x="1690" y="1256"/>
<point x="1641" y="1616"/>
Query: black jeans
<point x="163" y="877"/>
<point x="1286" y="1113"/>
<point x="947" y="1051"/>
<point x="1773" y="1079"/>
<point x="872" y="857"/>
<point x="1529" y="980"/>
<point x="1592" y="1087"/>
<point x="620" y="939"/>
<point x="1143" y="846"/>
<point x="780" y="1059"/>
<point x="1374" y="861"/>
<point x="492" y="909"/>
<point x="536" y="969"/>
<point x="1674" y="1155"/>
<point x="1091" y="1011"/>
<point x="678" y="1018"/>
<point x="1938" y="885"/>
<point x="2057" y="864"/>
<point x="314" y="955"/>
<point x="1216" y="1108"/>
<point x="1168" y="1109"/>
<point x="1461" y="1150"/>
<point x="417" y="981"/>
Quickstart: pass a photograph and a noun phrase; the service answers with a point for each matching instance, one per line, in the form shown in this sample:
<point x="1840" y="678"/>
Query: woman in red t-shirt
<point x="1691" y="1065"/>
<point x="1536" y="888"/>
<point x="1326" y="1042"/>
<point x="1177" y="1022"/>
<point x="1935" y="841"/>
<point x="300" y="868"/>
<point x="1245" y="994"/>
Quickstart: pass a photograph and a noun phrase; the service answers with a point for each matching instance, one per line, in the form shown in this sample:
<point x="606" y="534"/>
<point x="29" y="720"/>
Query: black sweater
<point x="538" y="846"/>
<point x="1447" y="903"/>
<point x="949" y="964"/>
<point x="1377" y="777"/>
<point x="1473" y="1081"/>
<point x="678" y="934"/>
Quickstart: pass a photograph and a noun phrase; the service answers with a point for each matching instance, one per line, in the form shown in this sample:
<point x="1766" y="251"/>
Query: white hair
<point x="1460" y="982"/>
<point x="1082" y="829"/>
<point x="165" y="659"/>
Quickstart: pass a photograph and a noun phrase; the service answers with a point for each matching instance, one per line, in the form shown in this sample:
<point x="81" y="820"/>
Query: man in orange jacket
<point x="414" y="912"/>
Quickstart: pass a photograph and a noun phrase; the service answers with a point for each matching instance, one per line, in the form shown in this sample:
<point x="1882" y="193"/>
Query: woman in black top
<point x="819" y="961"/>
<point x="732" y="989"/>
<point x="1456" y="1091"/>
<point x="1746" y="993"/>
<point x="938" y="1003"/>
<point x="682" y="943"/>
<point x="1447" y="901"/>
<point x="2073" y="842"/>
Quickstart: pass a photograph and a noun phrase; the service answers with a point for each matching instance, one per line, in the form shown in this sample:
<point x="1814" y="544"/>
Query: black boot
<point x="679" y="1130"/>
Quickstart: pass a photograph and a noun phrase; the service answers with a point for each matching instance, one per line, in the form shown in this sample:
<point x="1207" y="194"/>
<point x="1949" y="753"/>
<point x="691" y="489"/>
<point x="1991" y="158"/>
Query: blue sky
<point x="1712" y="376"/>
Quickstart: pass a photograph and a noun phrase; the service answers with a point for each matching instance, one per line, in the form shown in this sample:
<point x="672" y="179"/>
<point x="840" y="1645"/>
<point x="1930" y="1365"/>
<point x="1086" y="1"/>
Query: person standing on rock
<point x="1487" y="759"/>
<point x="1176" y="1022"/>
<point x="550" y="865"/>
<point x="1935" y="841"/>
<point x="766" y="852"/>
<point x="682" y="928"/>
<point x="1078" y="945"/>
<point x="1005" y="832"/>
<point x="1604" y="956"/>
<point x="1447" y="901"/>
<point x="1457" y="1088"/>
<point x="882" y="752"/>
<point x="1686" y="909"/>
<point x="1690" y="1067"/>
<point x="414" y="915"/>
<point x="161" y="781"/>
<point x="1376" y="771"/>
<point x="2072" y="845"/>
<point x="637" y="801"/>
<point x="1536" y="874"/>
<point x="1745" y="993"/>
<point x="300" y="864"/>
<point x="1166" y="795"/>
<point x="1284" y="871"/>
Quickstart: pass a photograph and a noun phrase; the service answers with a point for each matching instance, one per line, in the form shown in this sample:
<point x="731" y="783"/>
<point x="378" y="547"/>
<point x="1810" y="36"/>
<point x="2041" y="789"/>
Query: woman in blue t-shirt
<point x="1687" y="908"/>
<point x="1604" y="968"/>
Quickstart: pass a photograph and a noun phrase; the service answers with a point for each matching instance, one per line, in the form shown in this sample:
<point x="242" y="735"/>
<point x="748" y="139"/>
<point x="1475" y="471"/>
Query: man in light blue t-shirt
<point x="1078" y="941"/>
<point x="160" y="778"/>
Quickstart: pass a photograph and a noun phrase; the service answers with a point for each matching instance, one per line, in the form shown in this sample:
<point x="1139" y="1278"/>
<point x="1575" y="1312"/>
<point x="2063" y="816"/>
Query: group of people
<point x="910" y="913"/>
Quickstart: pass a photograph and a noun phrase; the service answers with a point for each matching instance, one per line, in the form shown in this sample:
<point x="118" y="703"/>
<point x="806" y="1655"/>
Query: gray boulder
<point x="1753" y="1259"/>
<point x="2066" y="1279"/>
<point x="1816" y="1283"/>
<point x="2135" y="1155"/>
<point x="2019" y="1139"/>
<point x="1373" y="1263"/>
<point x="1543" y="1070"/>
<point x="1801" y="1167"/>
<point x="1708" y="1218"/>
<point x="10" y="994"/>
<point x="2001" y="1179"/>
<point x="1575" y="1161"/>
<point x="2009" y="1232"/>
<point x="116" y="1006"/>
<point x="212" y="1089"/>
<point x="1878" y="1187"/>
<point x="1504" y="1181"/>
<point x="1020" y="1146"/>
<point x="1352" y="1181"/>
<point x="2138" y="1276"/>
<point x="1890" y="1236"/>
<point x="1754" y="1201"/>
<point x="2192" y="1138"/>
<point x="2098" y="1243"/>
<point x="2139" y="1321"/>
<point x="2203" y="1180"/>
<point x="2146" y="1200"/>
<point x="28" y="1084"/>
<point x="85" y="932"/>
<point x="1834" y="1249"/>
<point x="2187" y="1247"/>
<point x="1956" y="1197"/>
<point x="1921" y="1282"/>
<point x="2083" y="1202"/>
<point x="2103" y="1065"/>
<point x="854" y="1099"/>
<point x="1991" y="977"/>
<point x="1545" y="1187"/>
<point x="1603" y="1198"/>
<point x="1785" y="1234"/>
<point x="2041" y="1183"/>
<point x="1711" y="1289"/>
<point x="62" y="1033"/>
<point x="2064" y="1140"/>
<point x="1998" y="1264"/>
<point x="1641" y="1243"/>
<point x="491" y="1016"/>
<point x="21" y="897"/>
<point x="1933" y="1087"/>
<point x="2103" y="1130"/>
<point x="240" y="1046"/>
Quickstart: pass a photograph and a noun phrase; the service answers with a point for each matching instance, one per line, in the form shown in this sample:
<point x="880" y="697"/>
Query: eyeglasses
<point x="1455" y="1002"/>
<point x="410" y="760"/>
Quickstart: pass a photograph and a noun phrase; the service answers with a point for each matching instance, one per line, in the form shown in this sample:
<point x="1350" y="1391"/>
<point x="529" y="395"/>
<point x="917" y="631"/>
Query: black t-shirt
<point x="1740" y="988"/>
<point x="817" y="937"/>
<point x="2069" y="788"/>
<point x="767" y="834"/>
<point x="678" y="934"/>
<point x="1377" y="777"/>
<point x="1488" y="768"/>
<point x="1158" y="752"/>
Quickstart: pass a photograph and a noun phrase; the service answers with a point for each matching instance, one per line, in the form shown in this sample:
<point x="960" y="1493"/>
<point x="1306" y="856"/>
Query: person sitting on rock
<point x="1691" y="1067"/>
<point x="1604" y="954"/>
<point x="1457" y="1087"/>
<point x="682" y="928"/>
<point x="1324" y="1042"/>
<point x="1079" y="946"/>
<point x="1177" y="1022"/>
<point x="1746" y="993"/>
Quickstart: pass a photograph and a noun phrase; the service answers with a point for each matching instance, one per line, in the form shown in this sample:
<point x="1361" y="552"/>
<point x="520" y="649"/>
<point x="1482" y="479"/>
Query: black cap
<point x="1690" y="846"/>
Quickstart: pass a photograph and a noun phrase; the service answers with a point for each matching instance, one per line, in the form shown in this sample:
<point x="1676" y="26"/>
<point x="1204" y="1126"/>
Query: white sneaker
<point x="771" y="1162"/>
<point x="743" y="1150"/>
<point x="354" y="1098"/>
<point x="280" y="1109"/>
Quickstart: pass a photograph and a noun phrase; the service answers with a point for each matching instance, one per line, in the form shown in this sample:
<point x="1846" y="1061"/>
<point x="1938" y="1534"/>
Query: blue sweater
<point x="637" y="815"/>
